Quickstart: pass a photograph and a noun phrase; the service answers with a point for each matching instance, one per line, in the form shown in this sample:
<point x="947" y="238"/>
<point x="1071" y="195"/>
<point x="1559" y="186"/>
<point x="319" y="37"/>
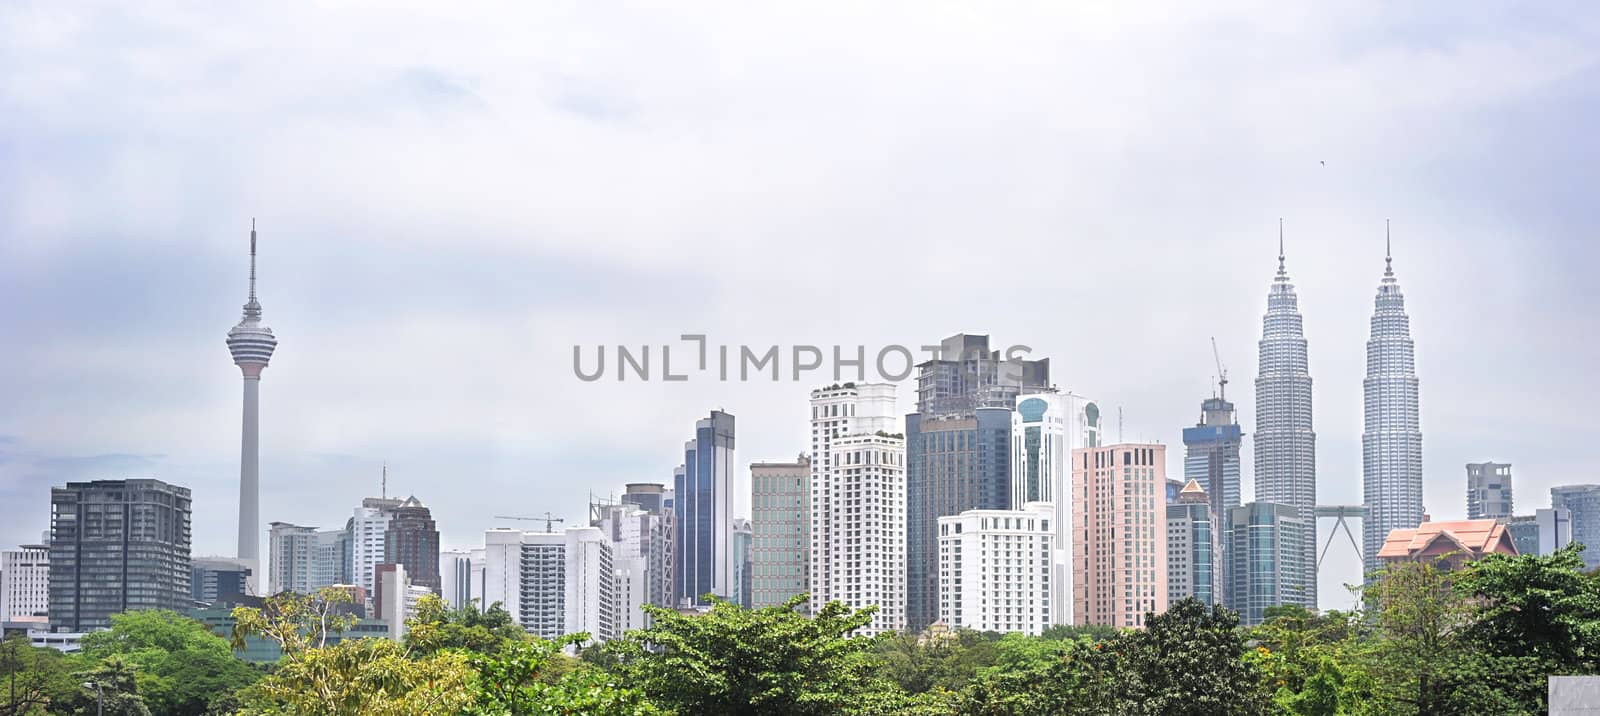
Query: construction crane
<point x="1222" y="373"/>
<point x="548" y="519"/>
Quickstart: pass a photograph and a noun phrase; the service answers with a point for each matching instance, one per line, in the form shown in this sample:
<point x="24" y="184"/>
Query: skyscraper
<point x="958" y="450"/>
<point x="1045" y="428"/>
<point x="1266" y="543"/>
<point x="1488" y="490"/>
<point x="1391" y="444"/>
<point x="1119" y="508"/>
<point x="1582" y="502"/>
<point x="780" y="523"/>
<point x="412" y="539"/>
<point x="369" y="529"/>
<point x="1285" y="444"/>
<point x="251" y="345"/>
<point x="656" y="536"/>
<point x="116" y="546"/>
<point x="994" y="569"/>
<point x="706" y="500"/>
<point x="455" y="578"/>
<point x="1191" y="547"/>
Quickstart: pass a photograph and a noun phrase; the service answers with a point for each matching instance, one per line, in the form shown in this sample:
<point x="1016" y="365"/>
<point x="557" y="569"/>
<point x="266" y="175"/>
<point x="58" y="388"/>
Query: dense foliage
<point x="1482" y="639"/>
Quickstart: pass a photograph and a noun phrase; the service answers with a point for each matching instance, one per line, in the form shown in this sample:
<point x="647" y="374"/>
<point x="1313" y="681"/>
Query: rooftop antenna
<point x="1119" y="423"/>
<point x="1222" y="373"/>
<point x="385" y="492"/>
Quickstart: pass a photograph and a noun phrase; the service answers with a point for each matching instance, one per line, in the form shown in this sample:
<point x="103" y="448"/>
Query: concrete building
<point x="553" y="583"/>
<point x="1191" y="547"/>
<point x="656" y="532"/>
<point x="25" y="584"/>
<point x="1524" y="532"/>
<point x="958" y="450"/>
<point x="1120" y="514"/>
<point x="502" y="571"/>
<point x="1489" y="491"/>
<point x="637" y="553"/>
<point x="412" y="539"/>
<point x="369" y="529"/>
<point x="780" y="526"/>
<point x="304" y="559"/>
<point x="867" y="541"/>
<point x="1582" y="502"/>
<point x="116" y="546"/>
<point x="1450" y="542"/>
<point x="1555" y="529"/>
<point x="1266" y="545"/>
<point x="707" y="497"/>
<point x="1045" y="428"/>
<point x="397" y="598"/>
<point x="1391" y="444"/>
<point x="994" y="569"/>
<point x="212" y="579"/>
<point x="743" y="543"/>
<point x="837" y="411"/>
<point x="455" y="578"/>
<point x="251" y="345"/>
<point x="1285" y="442"/>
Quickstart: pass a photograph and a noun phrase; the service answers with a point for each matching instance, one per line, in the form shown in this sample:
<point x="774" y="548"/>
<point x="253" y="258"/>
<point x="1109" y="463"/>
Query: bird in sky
<point x="1324" y="162"/>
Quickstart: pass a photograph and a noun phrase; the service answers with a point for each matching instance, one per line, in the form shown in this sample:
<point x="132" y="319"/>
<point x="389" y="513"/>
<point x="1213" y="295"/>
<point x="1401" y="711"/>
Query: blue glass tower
<point x="703" y="506"/>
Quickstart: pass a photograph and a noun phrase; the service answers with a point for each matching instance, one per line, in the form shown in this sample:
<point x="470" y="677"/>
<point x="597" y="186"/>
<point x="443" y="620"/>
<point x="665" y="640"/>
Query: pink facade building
<point x="1119" y="506"/>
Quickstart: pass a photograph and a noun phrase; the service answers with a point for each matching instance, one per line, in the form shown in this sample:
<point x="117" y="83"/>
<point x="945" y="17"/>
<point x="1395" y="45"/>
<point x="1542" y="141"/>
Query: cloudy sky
<point x="450" y="198"/>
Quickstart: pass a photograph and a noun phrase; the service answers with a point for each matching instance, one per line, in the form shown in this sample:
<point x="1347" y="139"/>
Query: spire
<point x="1282" y="272"/>
<point x="1388" y="254"/>
<point x="385" y="492"/>
<point x="252" y="307"/>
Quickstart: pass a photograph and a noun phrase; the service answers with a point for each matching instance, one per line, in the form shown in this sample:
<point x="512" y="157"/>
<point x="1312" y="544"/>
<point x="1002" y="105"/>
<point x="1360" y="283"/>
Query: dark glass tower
<point x="116" y="546"/>
<point x="704" y="502"/>
<point x="958" y="451"/>
<point x="412" y="540"/>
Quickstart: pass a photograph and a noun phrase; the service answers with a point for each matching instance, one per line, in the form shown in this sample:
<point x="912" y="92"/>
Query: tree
<point x="940" y="662"/>
<point x="34" y="678"/>
<point x="436" y="627"/>
<point x="1533" y="606"/>
<point x="1188" y="660"/>
<point x="181" y="664"/>
<point x="772" y="660"/>
<point x="363" y="677"/>
<point x="297" y="622"/>
<point x="513" y="681"/>
<point x="1043" y="676"/>
<point x="1420" y="618"/>
<point x="110" y="687"/>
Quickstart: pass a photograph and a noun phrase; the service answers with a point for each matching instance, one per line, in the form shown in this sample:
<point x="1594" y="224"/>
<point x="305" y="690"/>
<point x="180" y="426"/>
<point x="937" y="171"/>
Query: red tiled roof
<point x="1475" y="537"/>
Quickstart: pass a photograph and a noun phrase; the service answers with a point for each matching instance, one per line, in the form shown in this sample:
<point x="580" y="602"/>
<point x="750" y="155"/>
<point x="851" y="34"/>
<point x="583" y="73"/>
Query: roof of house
<point x="1475" y="537"/>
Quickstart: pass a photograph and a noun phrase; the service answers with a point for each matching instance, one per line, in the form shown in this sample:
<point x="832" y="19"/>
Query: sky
<point x="452" y="196"/>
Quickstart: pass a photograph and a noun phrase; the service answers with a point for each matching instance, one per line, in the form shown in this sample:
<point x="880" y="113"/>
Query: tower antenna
<point x="384" y="493"/>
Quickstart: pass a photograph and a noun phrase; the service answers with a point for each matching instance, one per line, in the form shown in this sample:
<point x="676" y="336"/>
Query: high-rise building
<point x="1285" y="443"/>
<point x="838" y="411"/>
<point x="216" y="578"/>
<point x="706" y="499"/>
<point x="1489" y="490"/>
<point x="1045" y="428"/>
<point x="1391" y="444"/>
<point x="958" y="450"/>
<point x="1555" y="529"/>
<point x="25" y="583"/>
<point x="1119" y="513"/>
<point x="1582" y="502"/>
<point x="369" y="529"/>
<point x="994" y="569"/>
<point x="455" y="578"/>
<point x="1266" y="546"/>
<point x="1191" y="547"/>
<point x="639" y="554"/>
<point x="1211" y="459"/>
<point x="656" y="534"/>
<point x="412" y="539"/>
<point x="743" y="543"/>
<point x="116" y="546"/>
<point x="305" y="559"/>
<point x="553" y="583"/>
<point x="780" y="523"/>
<point x="251" y="345"/>
<point x="1524" y="532"/>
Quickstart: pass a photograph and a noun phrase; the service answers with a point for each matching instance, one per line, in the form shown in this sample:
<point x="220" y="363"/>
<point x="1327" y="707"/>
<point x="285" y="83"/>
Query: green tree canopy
<point x="181" y="665"/>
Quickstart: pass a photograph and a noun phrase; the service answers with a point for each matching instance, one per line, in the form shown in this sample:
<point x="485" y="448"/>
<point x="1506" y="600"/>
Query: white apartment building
<point x="25" y="583"/>
<point x="553" y="583"/>
<point x="502" y="571"/>
<point x="994" y="569"/>
<point x="455" y="578"/>
<point x="367" y="528"/>
<point x="1045" y="428"/>
<point x="303" y="559"/>
<point x="630" y="531"/>
<point x="858" y="502"/>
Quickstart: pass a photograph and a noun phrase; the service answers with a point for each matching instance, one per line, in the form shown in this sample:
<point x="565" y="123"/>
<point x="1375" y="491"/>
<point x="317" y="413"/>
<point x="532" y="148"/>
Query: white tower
<point x="1391" y="445"/>
<point x="251" y="345"/>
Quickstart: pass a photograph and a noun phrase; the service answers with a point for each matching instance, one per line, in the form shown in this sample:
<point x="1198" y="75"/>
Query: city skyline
<point x="432" y="325"/>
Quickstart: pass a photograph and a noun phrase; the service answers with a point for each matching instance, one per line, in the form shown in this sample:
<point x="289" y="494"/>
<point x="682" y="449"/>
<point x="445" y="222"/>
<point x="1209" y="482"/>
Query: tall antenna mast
<point x="1119" y="423"/>
<point x="385" y="492"/>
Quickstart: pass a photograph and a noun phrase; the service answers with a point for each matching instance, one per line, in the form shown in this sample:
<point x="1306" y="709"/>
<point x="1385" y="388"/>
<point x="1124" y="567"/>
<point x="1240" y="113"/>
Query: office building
<point x="502" y="571"/>
<point x="780" y="526"/>
<point x="637" y="540"/>
<point x="1119" y="512"/>
<point x="212" y="579"/>
<point x="1191" y="547"/>
<point x="958" y="450"/>
<point x="707" y="497"/>
<point x="1266" y="543"/>
<point x="25" y="584"/>
<point x="455" y="578"/>
<point x="1524" y="533"/>
<point x="656" y="533"/>
<point x="1555" y="529"/>
<point x="994" y="569"/>
<point x="1045" y="428"/>
<point x="743" y="544"/>
<point x="837" y="411"/>
<point x="251" y="345"/>
<point x="304" y="559"/>
<point x="1285" y="443"/>
<point x="1582" y="503"/>
<point x="1489" y="491"/>
<point x="553" y="583"/>
<point x="116" y="546"/>
<point x="412" y="539"/>
<point x="1391" y="444"/>
<point x="369" y="529"/>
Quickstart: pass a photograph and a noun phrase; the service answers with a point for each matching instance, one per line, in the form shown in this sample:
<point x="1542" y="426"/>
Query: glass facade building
<point x="1266" y="544"/>
<point x="780" y="520"/>
<point x="1191" y="547"/>
<point x="1285" y="442"/>
<point x="1582" y="503"/>
<point x="413" y="540"/>
<point x="705" y="502"/>
<point x="116" y="546"/>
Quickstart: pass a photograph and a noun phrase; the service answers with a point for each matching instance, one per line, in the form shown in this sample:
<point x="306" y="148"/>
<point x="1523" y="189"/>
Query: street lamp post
<point x="99" y="697"/>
